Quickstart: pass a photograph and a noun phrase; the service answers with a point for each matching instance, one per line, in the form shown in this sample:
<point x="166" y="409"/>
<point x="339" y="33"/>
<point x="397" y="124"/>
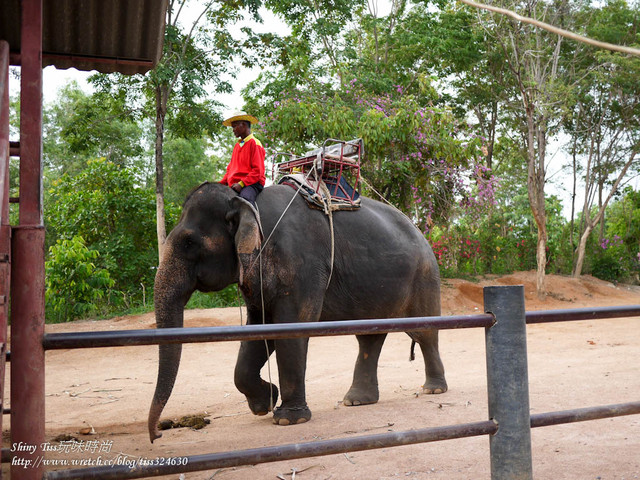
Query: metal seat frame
<point x="331" y="161"/>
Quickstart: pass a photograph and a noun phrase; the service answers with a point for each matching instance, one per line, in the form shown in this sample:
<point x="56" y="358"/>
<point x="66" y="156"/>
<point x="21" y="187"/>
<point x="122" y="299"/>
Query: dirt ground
<point x="106" y="393"/>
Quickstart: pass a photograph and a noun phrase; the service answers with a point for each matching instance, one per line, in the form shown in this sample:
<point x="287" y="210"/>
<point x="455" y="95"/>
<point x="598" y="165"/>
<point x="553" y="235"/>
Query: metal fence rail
<point x="285" y="452"/>
<point x="509" y="423"/>
<point x="129" y="338"/>
<point x="53" y="341"/>
<point x="591" y="313"/>
<point x="294" y="451"/>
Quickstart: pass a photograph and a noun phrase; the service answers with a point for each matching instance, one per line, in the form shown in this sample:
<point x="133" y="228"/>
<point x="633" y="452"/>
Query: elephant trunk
<point x="169" y="306"/>
<point x="167" y="372"/>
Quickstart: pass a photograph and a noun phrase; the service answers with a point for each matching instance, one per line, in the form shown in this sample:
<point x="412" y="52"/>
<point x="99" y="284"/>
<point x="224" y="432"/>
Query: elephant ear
<point x="245" y="219"/>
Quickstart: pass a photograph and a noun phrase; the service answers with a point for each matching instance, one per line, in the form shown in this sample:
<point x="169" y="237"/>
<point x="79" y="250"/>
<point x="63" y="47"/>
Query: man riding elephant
<point x="245" y="171"/>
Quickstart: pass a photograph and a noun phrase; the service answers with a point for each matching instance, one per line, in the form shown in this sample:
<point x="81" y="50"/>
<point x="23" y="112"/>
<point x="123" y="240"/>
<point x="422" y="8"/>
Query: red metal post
<point x="5" y="228"/>
<point x="27" y="285"/>
<point x="31" y="114"/>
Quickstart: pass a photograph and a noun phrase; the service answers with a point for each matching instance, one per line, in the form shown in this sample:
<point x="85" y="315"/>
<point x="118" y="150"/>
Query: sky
<point x="54" y="79"/>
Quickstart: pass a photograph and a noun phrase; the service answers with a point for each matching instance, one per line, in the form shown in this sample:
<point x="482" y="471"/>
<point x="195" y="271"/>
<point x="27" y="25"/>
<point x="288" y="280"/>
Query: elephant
<point x="382" y="267"/>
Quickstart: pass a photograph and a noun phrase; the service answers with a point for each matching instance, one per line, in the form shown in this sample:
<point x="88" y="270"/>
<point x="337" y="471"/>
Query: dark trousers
<point x="251" y="192"/>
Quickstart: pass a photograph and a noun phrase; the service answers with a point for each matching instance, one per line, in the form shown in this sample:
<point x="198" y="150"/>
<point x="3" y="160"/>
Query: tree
<point x="317" y="39"/>
<point x="537" y="85"/>
<point x="193" y="64"/>
<point x="79" y="126"/>
<point x="414" y="156"/>
<point x="623" y="221"/>
<point x="467" y="66"/>
<point x="187" y="164"/>
<point x="417" y="155"/>
<point x="114" y="215"/>
<point x="605" y="116"/>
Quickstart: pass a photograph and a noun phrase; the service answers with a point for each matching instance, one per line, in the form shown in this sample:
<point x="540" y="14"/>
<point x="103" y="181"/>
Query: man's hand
<point x="237" y="187"/>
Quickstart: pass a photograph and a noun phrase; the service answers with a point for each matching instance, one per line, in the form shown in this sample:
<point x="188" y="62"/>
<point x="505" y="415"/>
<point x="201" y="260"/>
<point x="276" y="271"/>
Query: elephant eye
<point x="188" y="243"/>
<point x="189" y="240"/>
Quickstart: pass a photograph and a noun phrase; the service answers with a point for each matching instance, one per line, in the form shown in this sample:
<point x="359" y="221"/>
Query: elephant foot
<point x="435" y="386"/>
<point x="261" y="405"/>
<point x="361" y="396"/>
<point x="291" y="415"/>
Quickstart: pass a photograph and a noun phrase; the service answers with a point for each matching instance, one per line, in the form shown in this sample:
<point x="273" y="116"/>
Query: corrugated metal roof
<point x="106" y="35"/>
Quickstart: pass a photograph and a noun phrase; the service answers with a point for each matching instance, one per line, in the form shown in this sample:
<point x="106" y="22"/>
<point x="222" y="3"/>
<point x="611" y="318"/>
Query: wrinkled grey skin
<point x="383" y="268"/>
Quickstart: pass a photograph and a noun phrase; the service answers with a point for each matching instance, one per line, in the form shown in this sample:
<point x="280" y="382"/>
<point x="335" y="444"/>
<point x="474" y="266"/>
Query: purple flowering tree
<point x="420" y="158"/>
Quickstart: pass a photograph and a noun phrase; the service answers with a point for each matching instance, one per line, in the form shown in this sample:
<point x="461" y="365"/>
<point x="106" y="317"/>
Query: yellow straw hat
<point x="240" y="116"/>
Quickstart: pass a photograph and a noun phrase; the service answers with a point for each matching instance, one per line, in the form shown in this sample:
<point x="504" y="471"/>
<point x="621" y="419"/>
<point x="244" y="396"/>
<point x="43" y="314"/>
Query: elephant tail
<point x="412" y="353"/>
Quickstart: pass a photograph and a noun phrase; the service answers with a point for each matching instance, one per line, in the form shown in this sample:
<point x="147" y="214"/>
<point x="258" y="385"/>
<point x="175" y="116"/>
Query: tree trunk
<point x="602" y="225"/>
<point x="573" y="192"/>
<point x="535" y="188"/>
<point x="591" y="224"/>
<point x="582" y="248"/>
<point x="161" y="111"/>
<point x="541" y="257"/>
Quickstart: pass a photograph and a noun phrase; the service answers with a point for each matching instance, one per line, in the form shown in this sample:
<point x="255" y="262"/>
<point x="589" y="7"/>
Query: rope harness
<point x="328" y="207"/>
<point x="259" y="261"/>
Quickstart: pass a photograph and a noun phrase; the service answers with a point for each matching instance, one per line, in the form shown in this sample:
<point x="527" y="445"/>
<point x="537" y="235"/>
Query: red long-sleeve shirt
<point x="247" y="163"/>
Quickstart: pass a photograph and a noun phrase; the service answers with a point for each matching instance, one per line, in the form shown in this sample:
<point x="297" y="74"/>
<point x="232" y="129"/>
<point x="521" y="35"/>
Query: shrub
<point x="74" y="286"/>
<point x="610" y="261"/>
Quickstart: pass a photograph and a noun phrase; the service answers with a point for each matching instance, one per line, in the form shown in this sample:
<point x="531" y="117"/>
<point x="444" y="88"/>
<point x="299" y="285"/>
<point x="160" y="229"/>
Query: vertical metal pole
<point x="5" y="228"/>
<point x="31" y="114"/>
<point x="508" y="384"/>
<point x="27" y="285"/>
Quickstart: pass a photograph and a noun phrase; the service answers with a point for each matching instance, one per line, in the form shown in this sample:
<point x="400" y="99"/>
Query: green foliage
<point x="104" y="210"/>
<point x="617" y="256"/>
<point x="415" y="155"/>
<point x="228" y="297"/>
<point x="197" y="61"/>
<point x="502" y="242"/>
<point x="74" y="285"/>
<point x="315" y="26"/>
<point x="81" y="126"/>
<point x="610" y="261"/>
<point x="114" y="215"/>
<point x="188" y="165"/>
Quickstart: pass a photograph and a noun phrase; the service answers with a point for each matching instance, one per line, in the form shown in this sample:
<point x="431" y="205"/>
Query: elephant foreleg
<point x="292" y="365"/>
<point x="364" y="389"/>
<point x="261" y="395"/>
<point x="428" y="341"/>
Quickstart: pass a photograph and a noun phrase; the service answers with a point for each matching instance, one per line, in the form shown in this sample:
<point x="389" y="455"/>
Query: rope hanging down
<point x="259" y="261"/>
<point x="329" y="207"/>
<point x="556" y="30"/>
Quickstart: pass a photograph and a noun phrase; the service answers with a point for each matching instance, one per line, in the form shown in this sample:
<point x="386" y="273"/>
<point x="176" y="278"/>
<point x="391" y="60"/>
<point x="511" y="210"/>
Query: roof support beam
<point x="27" y="268"/>
<point x="16" y="60"/>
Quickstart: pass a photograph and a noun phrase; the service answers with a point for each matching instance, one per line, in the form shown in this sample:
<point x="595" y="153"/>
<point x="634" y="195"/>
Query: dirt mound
<point x="460" y="296"/>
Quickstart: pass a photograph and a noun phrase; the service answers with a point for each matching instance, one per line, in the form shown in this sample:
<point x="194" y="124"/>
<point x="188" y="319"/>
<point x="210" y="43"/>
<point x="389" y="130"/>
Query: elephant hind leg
<point x="364" y="389"/>
<point x="428" y="340"/>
